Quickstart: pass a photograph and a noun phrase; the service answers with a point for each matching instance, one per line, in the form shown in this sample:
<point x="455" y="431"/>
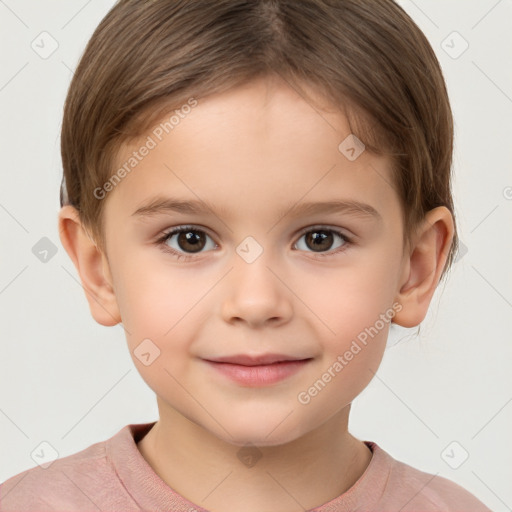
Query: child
<point x="210" y="149"/>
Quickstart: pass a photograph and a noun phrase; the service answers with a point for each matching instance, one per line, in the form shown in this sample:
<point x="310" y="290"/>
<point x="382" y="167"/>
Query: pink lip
<point x="254" y="374"/>
<point x="262" y="359"/>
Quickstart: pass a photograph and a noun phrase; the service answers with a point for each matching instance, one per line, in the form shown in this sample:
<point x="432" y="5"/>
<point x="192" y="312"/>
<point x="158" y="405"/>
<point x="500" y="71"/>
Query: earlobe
<point x="90" y="265"/>
<point x="423" y="268"/>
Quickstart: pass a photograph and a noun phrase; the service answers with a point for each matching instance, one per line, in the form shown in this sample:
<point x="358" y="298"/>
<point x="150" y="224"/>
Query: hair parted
<point x="366" y="57"/>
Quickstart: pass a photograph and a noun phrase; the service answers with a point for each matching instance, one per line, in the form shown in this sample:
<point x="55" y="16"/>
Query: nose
<point x="255" y="294"/>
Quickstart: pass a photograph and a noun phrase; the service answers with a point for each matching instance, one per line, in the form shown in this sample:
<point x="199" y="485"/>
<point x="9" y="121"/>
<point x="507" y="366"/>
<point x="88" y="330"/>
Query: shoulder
<point x="76" y="482"/>
<point x="418" y="491"/>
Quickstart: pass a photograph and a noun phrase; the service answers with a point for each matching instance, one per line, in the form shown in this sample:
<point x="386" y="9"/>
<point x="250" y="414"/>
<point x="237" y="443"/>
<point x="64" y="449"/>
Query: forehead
<point x="251" y="150"/>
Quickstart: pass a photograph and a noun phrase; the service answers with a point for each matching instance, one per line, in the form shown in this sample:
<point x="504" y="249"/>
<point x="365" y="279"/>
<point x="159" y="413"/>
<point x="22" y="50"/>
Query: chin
<point x="261" y="433"/>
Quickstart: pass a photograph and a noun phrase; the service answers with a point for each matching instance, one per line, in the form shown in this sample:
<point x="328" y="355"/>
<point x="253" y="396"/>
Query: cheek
<point x="353" y="307"/>
<point x="157" y="306"/>
<point x="350" y="298"/>
<point x="355" y="319"/>
<point x="160" y="303"/>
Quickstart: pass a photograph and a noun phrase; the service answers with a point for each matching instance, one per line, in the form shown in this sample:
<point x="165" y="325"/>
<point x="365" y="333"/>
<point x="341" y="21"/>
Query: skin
<point x="249" y="152"/>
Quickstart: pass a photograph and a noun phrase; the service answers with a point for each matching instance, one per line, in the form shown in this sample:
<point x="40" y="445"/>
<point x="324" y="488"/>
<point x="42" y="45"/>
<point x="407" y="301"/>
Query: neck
<point x="299" y="475"/>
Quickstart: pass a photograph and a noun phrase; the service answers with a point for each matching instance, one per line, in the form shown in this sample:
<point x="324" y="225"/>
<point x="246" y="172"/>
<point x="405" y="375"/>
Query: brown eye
<point x="190" y="241"/>
<point x="186" y="240"/>
<point x="320" y="240"/>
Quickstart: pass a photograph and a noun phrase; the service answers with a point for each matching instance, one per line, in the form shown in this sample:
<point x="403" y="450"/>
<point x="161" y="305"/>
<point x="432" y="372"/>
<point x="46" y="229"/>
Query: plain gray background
<point x="436" y="398"/>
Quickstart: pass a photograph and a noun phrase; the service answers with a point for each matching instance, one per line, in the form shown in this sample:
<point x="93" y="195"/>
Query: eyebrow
<point x="163" y="205"/>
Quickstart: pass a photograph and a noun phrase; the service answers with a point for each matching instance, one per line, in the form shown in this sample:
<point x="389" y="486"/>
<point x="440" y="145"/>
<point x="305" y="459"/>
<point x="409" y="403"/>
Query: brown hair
<point x="148" y="57"/>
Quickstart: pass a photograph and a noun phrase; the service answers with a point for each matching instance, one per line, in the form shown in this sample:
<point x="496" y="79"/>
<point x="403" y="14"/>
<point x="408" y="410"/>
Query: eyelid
<point x="327" y="227"/>
<point x="181" y="227"/>
<point x="166" y="234"/>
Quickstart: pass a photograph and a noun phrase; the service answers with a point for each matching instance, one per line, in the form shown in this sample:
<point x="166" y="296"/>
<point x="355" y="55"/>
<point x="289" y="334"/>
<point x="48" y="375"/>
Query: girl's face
<point x="255" y="272"/>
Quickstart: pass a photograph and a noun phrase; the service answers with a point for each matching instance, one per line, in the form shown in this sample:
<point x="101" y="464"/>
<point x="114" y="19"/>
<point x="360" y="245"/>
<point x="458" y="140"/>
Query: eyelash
<point x="187" y="257"/>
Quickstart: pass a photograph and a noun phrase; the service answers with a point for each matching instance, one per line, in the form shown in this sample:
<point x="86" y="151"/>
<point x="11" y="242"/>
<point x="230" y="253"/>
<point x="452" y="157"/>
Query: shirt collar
<point x="150" y="492"/>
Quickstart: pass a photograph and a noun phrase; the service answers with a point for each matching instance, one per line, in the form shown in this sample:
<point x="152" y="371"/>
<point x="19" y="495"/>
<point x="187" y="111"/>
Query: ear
<point x="423" y="267"/>
<point x="92" y="266"/>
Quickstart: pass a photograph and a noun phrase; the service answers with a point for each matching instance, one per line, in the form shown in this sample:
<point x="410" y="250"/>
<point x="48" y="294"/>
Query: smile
<point x="258" y="374"/>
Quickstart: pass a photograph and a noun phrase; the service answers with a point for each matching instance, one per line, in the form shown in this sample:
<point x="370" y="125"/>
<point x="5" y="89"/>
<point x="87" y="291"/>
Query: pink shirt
<point x="113" y="476"/>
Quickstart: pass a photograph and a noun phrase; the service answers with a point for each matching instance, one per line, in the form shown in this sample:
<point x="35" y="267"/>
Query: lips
<point x="258" y="360"/>
<point x="260" y="370"/>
